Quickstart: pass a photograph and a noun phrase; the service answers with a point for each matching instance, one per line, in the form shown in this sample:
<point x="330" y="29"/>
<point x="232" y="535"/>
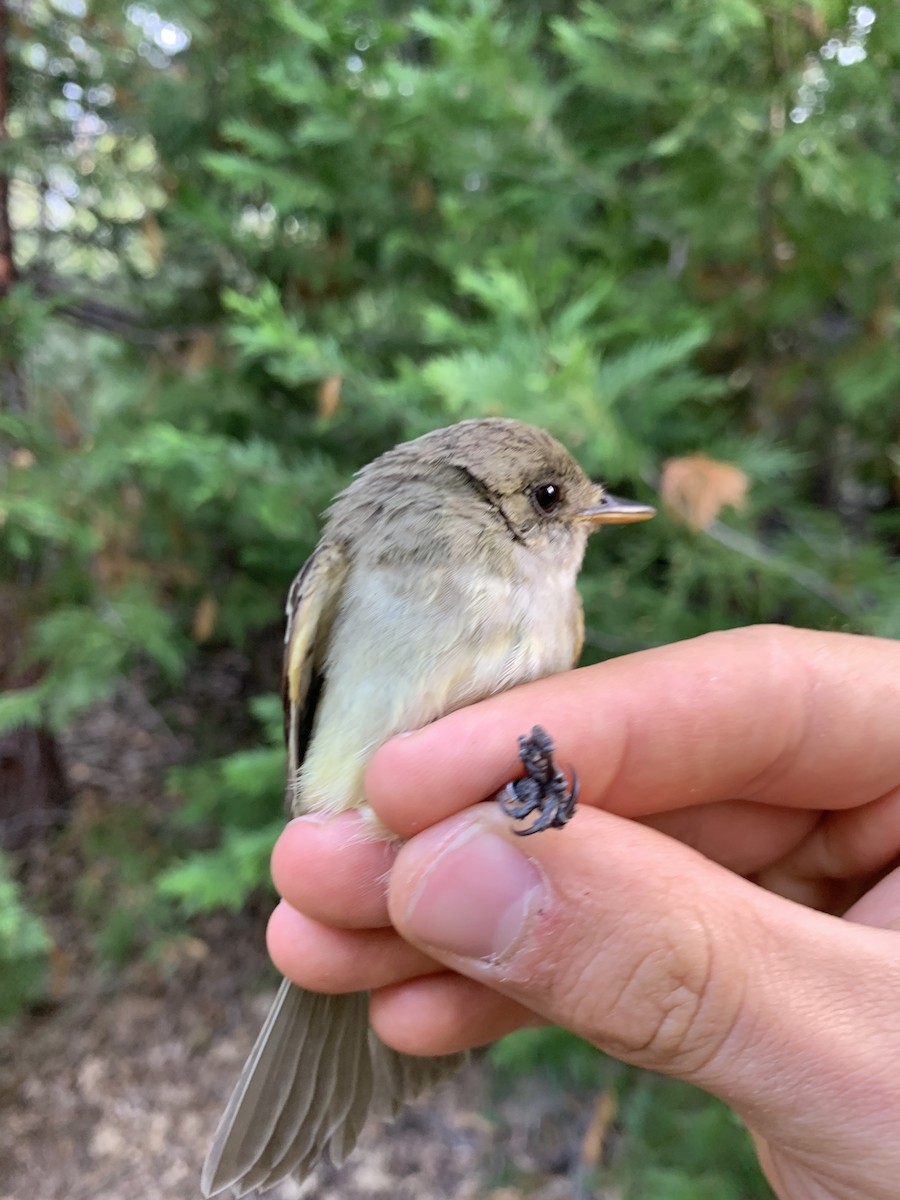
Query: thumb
<point x="668" y="961"/>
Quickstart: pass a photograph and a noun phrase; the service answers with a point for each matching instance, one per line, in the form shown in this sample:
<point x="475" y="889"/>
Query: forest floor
<point x="113" y="1087"/>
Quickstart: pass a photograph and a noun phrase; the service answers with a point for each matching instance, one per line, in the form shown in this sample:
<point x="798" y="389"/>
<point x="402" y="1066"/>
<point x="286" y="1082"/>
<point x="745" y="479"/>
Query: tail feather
<point x="399" y="1077"/>
<point x="327" y="1091"/>
<point x="315" y="1075"/>
<point x="258" y="1097"/>
<point x="326" y="1028"/>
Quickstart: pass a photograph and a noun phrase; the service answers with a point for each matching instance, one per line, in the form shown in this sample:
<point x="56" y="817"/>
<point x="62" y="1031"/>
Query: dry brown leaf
<point x="198" y="352"/>
<point x="61" y="963"/>
<point x="598" y="1127"/>
<point x="422" y="194"/>
<point x="132" y="498"/>
<point x="696" y="488"/>
<point x="205" y="616"/>
<point x="116" y="561"/>
<point x="64" y="422"/>
<point x="154" y="239"/>
<point x="328" y="398"/>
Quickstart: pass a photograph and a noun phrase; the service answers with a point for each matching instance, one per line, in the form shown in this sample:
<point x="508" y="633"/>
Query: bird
<point x="445" y="573"/>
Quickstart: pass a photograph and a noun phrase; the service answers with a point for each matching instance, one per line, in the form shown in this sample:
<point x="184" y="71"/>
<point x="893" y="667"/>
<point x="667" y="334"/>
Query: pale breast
<point x="407" y="648"/>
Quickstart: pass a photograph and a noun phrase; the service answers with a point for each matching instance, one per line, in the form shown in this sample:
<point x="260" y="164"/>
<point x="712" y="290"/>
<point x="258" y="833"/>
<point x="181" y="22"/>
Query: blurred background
<point x="243" y="249"/>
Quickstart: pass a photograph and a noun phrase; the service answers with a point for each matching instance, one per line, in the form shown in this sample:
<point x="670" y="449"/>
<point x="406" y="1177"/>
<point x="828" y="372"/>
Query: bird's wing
<point x="312" y="605"/>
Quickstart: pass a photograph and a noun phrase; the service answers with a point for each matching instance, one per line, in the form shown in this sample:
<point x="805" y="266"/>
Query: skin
<point x="724" y="907"/>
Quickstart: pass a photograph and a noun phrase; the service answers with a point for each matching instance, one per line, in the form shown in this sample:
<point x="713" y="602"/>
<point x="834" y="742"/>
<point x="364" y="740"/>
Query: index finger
<point x="768" y="713"/>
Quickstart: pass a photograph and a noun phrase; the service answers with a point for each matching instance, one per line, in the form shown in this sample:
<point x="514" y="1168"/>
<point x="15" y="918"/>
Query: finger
<point x="842" y="856"/>
<point x="443" y="1014"/>
<point x="881" y="905"/>
<point x="668" y="961"/>
<point x="738" y="834"/>
<point x="323" y="959"/>
<point x="769" y="714"/>
<point x="334" y="870"/>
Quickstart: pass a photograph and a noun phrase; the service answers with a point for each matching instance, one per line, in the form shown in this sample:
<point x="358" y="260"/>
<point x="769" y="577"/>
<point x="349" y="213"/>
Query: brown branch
<point x="7" y="264"/>
<point x="12" y="384"/>
<point x="95" y="314"/>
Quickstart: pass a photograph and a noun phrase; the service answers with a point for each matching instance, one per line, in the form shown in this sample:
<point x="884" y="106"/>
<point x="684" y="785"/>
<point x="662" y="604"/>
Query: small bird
<point x="445" y="573"/>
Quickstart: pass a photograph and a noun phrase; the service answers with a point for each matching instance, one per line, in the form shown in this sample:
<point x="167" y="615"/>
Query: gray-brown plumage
<point x="445" y="573"/>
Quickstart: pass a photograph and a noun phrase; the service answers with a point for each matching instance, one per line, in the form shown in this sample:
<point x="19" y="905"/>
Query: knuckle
<point x="687" y="1015"/>
<point x="666" y="1010"/>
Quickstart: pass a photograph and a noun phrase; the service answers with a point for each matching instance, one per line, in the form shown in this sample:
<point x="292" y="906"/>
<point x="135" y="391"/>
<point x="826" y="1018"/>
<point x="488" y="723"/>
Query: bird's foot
<point x="544" y="789"/>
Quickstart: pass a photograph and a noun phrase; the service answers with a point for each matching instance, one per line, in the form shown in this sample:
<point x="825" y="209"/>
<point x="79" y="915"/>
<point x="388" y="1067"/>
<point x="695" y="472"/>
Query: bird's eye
<point x="546" y="498"/>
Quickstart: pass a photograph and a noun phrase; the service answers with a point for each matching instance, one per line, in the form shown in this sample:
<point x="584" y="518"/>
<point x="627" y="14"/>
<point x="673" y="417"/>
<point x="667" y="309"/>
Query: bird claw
<point x="543" y="790"/>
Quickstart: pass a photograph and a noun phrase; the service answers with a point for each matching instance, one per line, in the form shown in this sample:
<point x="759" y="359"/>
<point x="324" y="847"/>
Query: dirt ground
<point x="112" y="1089"/>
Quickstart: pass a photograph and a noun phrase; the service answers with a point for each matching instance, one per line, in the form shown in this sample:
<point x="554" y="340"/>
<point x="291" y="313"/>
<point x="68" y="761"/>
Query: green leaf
<point x="24" y="949"/>
<point x="221" y="878"/>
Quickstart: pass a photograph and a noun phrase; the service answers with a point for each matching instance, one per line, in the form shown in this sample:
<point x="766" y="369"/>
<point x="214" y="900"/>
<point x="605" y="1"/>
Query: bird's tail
<point x="315" y="1075"/>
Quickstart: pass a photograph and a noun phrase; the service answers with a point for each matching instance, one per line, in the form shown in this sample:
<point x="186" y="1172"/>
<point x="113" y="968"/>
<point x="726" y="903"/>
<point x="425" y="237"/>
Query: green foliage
<point x="684" y="1144"/>
<point x="257" y="251"/>
<point x="650" y="231"/>
<point x="88" y="652"/>
<point x="672" y="1142"/>
<point x="24" y="949"/>
<point x="115" y="893"/>
<point x="224" y="877"/>
<point x="565" y="1059"/>
<point x="241" y="794"/>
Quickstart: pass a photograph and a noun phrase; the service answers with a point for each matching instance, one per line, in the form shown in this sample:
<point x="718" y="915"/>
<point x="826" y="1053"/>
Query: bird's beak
<point x="612" y="510"/>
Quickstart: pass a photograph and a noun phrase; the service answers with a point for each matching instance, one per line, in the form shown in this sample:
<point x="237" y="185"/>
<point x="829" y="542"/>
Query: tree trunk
<point x="12" y="385"/>
<point x="32" y="784"/>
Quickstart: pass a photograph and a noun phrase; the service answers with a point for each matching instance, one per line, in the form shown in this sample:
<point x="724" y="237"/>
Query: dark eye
<point x="546" y="498"/>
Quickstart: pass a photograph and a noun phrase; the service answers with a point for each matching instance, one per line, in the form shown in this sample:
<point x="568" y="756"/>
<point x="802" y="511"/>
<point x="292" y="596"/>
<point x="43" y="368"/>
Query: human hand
<point x="761" y="764"/>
